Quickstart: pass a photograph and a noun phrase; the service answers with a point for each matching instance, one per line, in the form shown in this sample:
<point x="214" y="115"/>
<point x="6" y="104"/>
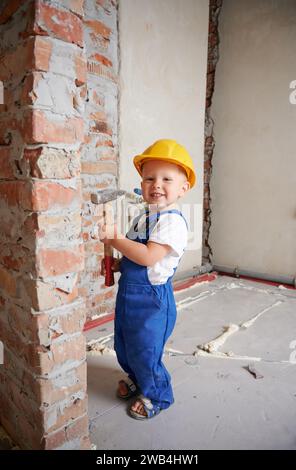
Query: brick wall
<point x="58" y="142"/>
<point x="99" y="157"/>
<point x="213" y="56"/>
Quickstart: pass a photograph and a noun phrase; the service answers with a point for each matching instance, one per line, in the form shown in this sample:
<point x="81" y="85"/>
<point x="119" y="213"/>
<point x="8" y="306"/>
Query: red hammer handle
<point x="108" y="261"/>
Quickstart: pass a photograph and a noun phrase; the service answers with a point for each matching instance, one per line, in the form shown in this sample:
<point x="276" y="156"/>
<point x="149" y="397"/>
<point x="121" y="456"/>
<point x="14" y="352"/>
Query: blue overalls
<point x="145" y="316"/>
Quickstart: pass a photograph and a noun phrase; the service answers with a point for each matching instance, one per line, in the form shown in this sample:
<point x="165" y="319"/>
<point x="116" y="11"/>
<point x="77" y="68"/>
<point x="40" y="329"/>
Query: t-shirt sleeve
<point x="171" y="230"/>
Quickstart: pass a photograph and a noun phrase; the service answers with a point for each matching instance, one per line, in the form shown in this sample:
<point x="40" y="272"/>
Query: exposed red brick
<point x="73" y="349"/>
<point x="98" y="168"/>
<point x="104" y="143"/>
<point x="80" y="68"/>
<point x="59" y="261"/>
<point x="46" y="195"/>
<point x="99" y="100"/>
<point x="15" y="193"/>
<point x="74" y="430"/>
<point x="39" y="359"/>
<point x="77" y="6"/>
<point x="98" y="116"/>
<point x="101" y="70"/>
<point x="102" y="59"/>
<point x="42" y="53"/>
<point x="74" y="410"/>
<point x="32" y="54"/>
<point x="7" y="282"/>
<point x="41" y="328"/>
<point x="38" y="343"/>
<point x="15" y="257"/>
<point x="28" y="94"/>
<point x="41" y="128"/>
<point x="85" y="443"/>
<point x="39" y="196"/>
<point x="41" y="295"/>
<point x="100" y="127"/>
<point x="45" y="162"/>
<point x="54" y="440"/>
<point x="66" y="323"/>
<point x="51" y="21"/>
<point x="6" y="168"/>
<point x="78" y="429"/>
<point x="20" y="429"/>
<point x="49" y="391"/>
<point x="98" y="28"/>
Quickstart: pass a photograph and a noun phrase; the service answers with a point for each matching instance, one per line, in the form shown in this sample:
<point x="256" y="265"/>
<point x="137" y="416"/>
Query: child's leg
<point x="119" y="346"/>
<point x="152" y="324"/>
<point x="127" y="389"/>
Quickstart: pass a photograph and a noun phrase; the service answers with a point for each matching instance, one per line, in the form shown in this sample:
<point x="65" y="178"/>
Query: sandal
<point x="150" y="409"/>
<point x="132" y="389"/>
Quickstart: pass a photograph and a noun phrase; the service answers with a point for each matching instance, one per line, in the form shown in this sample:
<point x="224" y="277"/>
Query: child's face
<point x="163" y="183"/>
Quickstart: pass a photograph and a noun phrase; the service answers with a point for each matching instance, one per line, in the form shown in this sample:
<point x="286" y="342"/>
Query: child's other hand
<point x="115" y="266"/>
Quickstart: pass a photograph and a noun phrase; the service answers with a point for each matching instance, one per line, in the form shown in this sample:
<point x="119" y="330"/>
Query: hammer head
<point x="106" y="195"/>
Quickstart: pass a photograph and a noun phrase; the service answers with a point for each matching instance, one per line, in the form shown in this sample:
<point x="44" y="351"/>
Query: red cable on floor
<point x="180" y="285"/>
<point x="256" y="279"/>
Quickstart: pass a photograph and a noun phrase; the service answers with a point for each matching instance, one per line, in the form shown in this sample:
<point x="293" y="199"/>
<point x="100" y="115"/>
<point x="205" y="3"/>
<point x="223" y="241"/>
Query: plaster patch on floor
<point x="250" y="322"/>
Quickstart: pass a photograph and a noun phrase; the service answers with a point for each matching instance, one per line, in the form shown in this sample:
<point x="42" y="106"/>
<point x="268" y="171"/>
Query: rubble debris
<point x="250" y="322"/>
<point x="251" y="368"/>
<point x="215" y="344"/>
<point x="98" y="346"/>
<point x="174" y="352"/>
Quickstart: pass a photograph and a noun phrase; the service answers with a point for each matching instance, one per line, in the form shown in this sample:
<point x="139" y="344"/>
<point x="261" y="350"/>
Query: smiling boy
<point x="145" y="312"/>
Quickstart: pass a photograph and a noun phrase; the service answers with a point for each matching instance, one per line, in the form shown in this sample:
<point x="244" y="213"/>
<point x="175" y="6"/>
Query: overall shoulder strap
<point x="150" y="222"/>
<point x="152" y="219"/>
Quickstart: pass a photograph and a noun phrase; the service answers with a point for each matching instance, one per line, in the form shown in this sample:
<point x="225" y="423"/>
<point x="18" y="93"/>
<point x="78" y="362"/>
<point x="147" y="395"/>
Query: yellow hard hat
<point x="169" y="151"/>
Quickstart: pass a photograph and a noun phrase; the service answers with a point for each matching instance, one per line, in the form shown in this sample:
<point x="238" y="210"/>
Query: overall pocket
<point x="156" y="294"/>
<point x="142" y="301"/>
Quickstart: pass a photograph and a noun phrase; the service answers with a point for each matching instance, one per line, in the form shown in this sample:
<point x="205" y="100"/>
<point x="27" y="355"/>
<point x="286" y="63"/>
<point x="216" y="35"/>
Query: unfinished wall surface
<point x="43" y="401"/>
<point x="253" y="186"/>
<point x="213" y="57"/>
<point x="163" y="54"/>
<point x="99" y="156"/>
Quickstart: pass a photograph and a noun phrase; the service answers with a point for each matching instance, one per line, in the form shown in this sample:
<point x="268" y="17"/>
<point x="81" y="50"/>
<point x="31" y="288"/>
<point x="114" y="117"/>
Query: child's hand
<point x="115" y="266"/>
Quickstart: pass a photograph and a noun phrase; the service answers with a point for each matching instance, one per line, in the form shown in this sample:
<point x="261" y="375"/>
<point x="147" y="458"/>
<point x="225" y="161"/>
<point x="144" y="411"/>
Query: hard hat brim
<point x="139" y="160"/>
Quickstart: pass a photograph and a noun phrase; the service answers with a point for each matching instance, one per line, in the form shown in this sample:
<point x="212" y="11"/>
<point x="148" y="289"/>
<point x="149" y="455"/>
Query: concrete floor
<point x="219" y="402"/>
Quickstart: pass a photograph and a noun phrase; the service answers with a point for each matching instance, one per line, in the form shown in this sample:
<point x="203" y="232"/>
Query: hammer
<point x="104" y="197"/>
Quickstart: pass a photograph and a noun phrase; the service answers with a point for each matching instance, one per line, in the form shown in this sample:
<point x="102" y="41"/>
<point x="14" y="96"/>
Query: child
<point x="145" y="311"/>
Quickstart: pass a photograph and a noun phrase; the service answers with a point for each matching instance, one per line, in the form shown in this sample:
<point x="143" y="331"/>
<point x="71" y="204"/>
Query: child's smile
<point x="157" y="195"/>
<point x="163" y="183"/>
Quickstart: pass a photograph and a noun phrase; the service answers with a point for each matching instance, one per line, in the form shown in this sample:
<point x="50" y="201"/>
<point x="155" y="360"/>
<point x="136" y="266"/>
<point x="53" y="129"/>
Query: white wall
<point x="163" y="54"/>
<point x="253" y="186"/>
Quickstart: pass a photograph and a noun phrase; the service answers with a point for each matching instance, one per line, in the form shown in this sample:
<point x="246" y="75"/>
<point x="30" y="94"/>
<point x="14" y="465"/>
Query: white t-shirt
<point x="171" y="229"/>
